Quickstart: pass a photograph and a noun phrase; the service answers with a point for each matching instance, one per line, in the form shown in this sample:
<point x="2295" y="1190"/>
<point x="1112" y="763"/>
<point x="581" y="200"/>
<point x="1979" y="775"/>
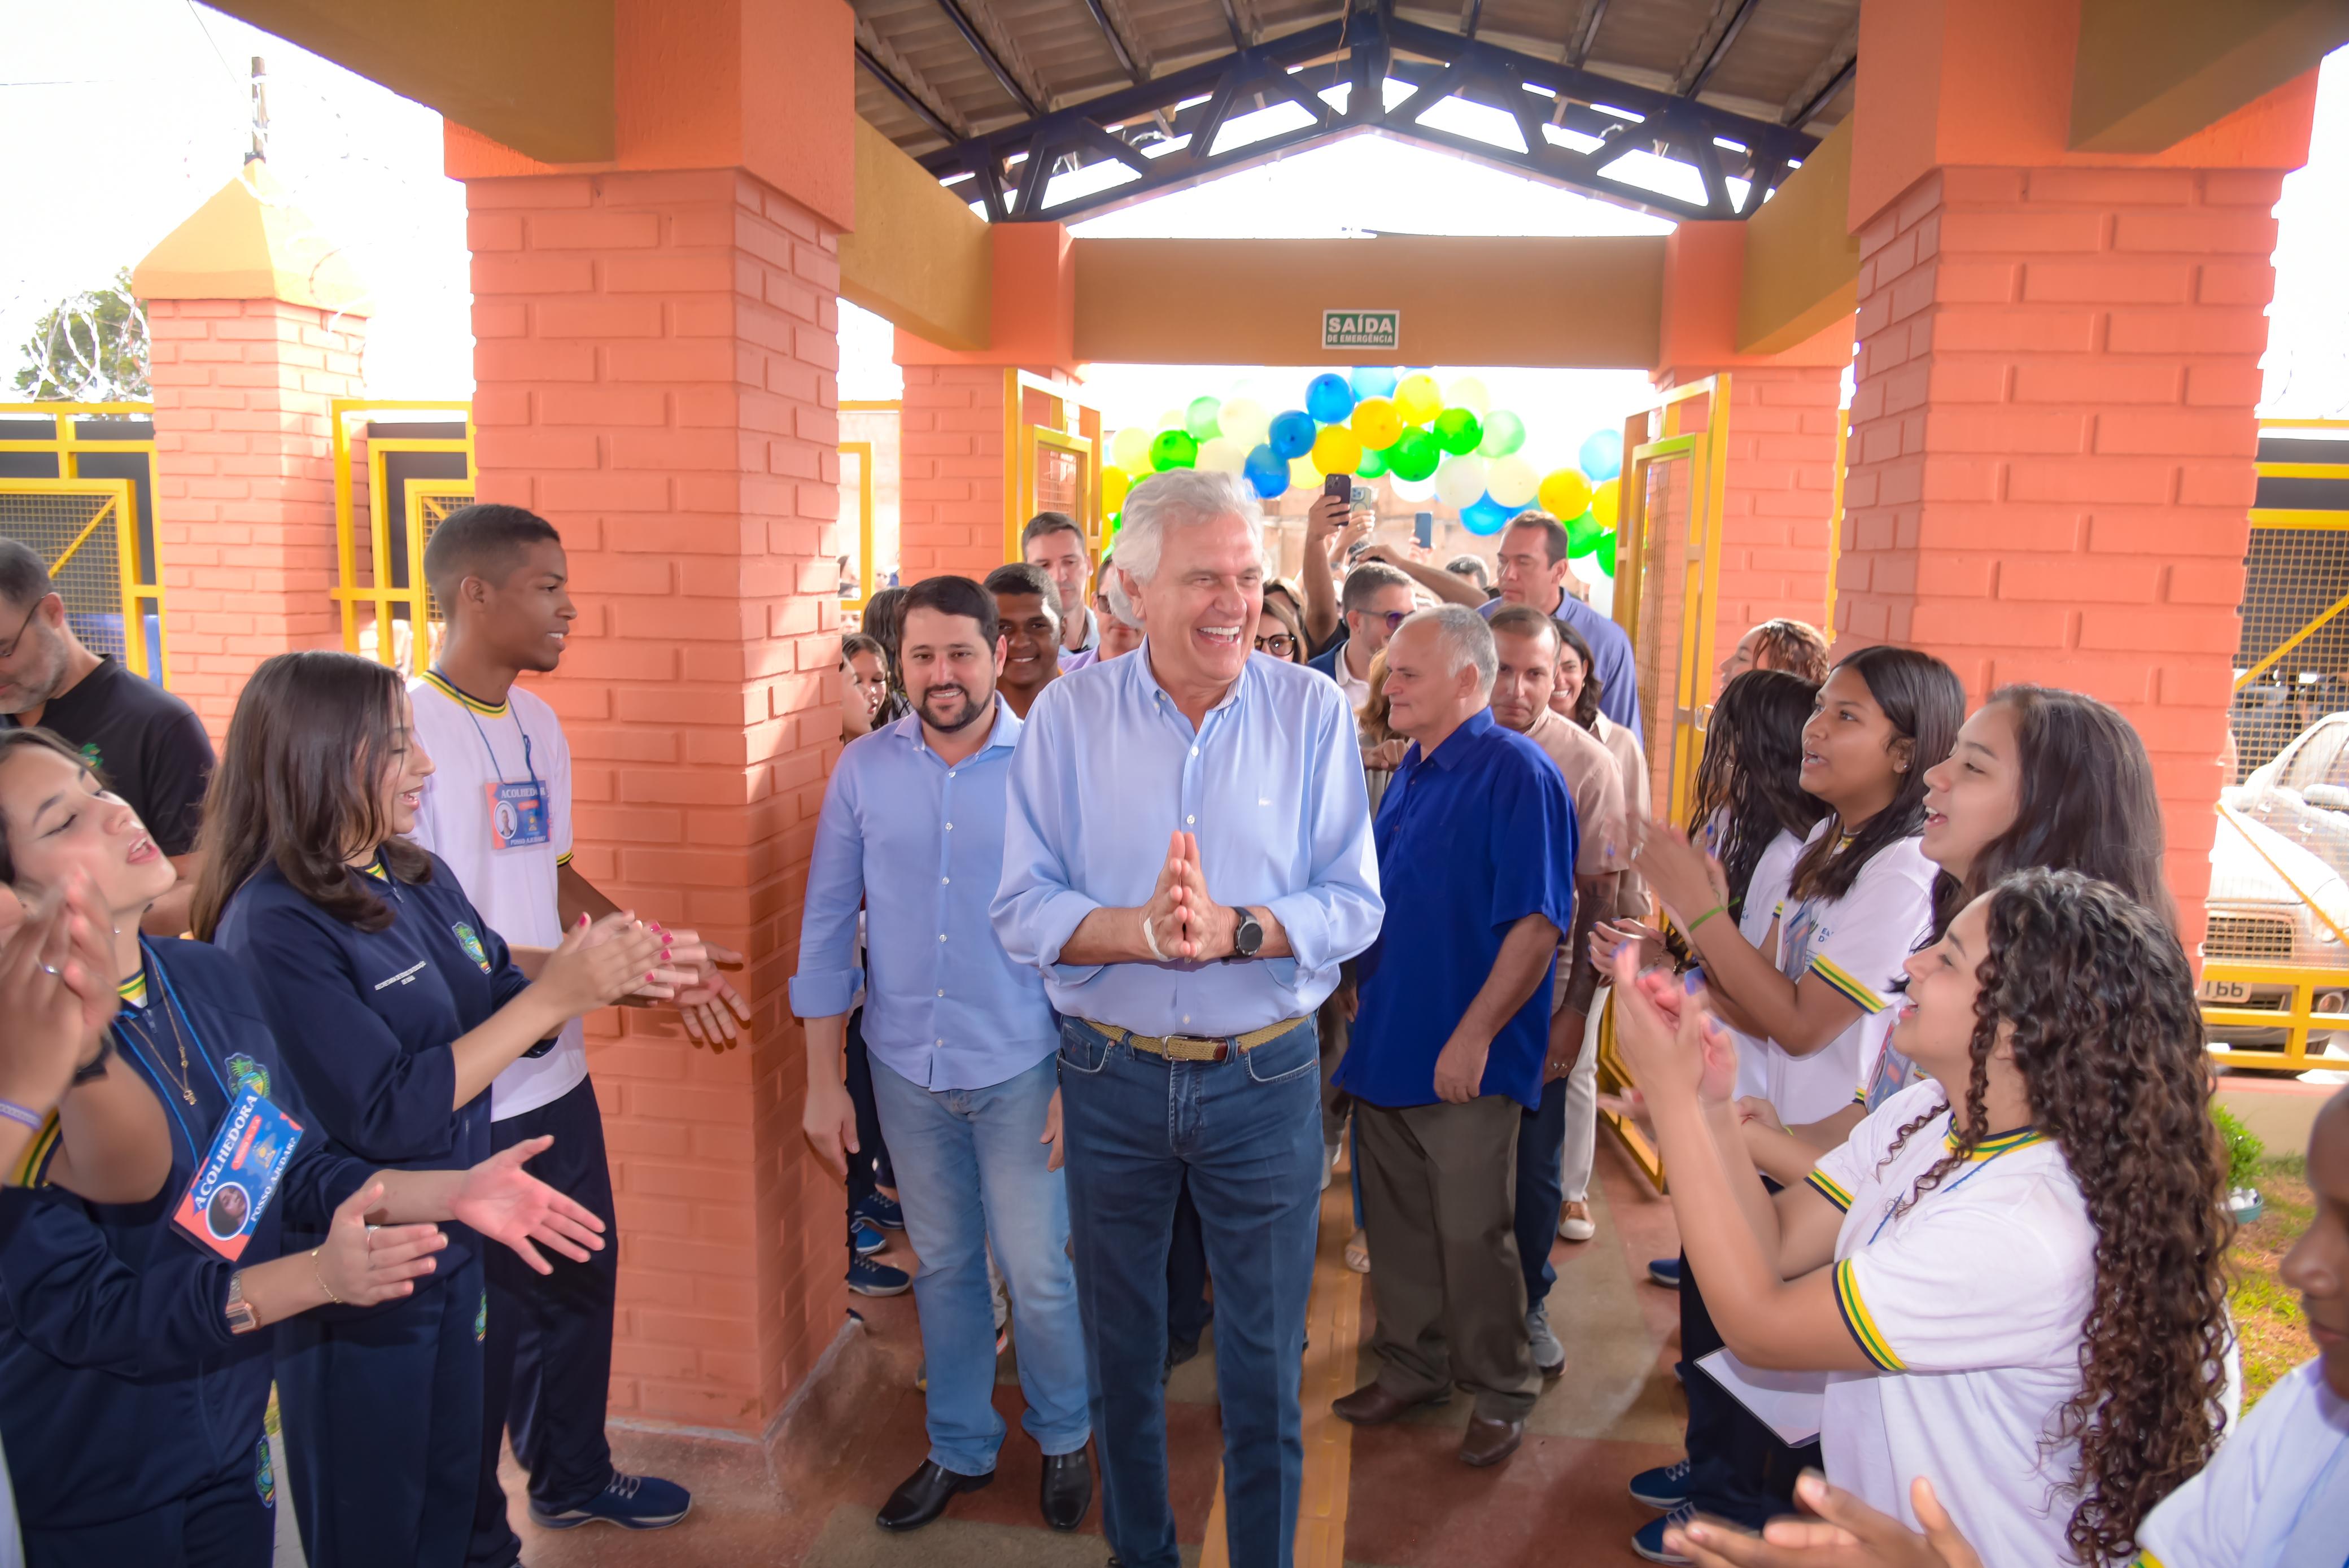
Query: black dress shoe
<point x="926" y="1494"/>
<point x="1067" y="1492"/>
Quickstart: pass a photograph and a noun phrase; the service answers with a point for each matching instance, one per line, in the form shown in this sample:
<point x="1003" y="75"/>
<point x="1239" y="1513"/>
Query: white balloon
<point x="1413" y="490"/>
<point x="1219" y="455"/>
<point x="1170" y="421"/>
<point x="1512" y="481"/>
<point x="1460" y="481"/>
<point x="1244" y="421"/>
<point x="1130" y="450"/>
<point x="1467" y="392"/>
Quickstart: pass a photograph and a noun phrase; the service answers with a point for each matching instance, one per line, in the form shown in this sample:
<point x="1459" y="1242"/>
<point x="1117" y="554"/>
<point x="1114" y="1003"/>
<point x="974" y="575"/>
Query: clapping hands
<point x="1183" y="921"/>
<point x="1677" y="1050"/>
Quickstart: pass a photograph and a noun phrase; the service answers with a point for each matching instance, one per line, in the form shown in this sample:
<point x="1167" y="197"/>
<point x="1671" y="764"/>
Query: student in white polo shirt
<point x="2011" y="1271"/>
<point x="498" y="811"/>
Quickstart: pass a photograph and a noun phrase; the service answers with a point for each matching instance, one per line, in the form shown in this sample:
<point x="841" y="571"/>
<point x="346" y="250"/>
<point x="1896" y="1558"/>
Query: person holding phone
<point x="396" y="1005"/>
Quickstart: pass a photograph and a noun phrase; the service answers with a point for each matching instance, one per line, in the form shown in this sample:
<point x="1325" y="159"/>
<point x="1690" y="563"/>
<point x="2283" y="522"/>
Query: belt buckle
<point x="1218" y="1050"/>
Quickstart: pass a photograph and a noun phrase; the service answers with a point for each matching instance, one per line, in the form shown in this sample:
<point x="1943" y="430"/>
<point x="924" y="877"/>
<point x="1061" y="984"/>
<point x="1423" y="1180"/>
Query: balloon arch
<point x="1446" y="443"/>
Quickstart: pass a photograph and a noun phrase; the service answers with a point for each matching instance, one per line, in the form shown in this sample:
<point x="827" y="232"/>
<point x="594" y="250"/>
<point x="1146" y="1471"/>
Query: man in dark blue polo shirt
<point x="1477" y="843"/>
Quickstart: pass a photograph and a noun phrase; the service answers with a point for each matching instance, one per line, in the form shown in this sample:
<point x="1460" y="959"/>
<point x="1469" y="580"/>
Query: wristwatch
<point x="1248" y="937"/>
<point x="242" y="1318"/>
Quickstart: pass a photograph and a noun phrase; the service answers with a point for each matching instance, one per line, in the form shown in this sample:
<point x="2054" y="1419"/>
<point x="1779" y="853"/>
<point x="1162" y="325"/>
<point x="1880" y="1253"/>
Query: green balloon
<point x="1458" y="431"/>
<point x="1199" y="418"/>
<point x="1607" y="552"/>
<point x="1503" y="434"/>
<point x="1372" y="465"/>
<point x="1413" y="455"/>
<point x="1582" y="536"/>
<point x="1116" y="522"/>
<point x="1173" y="449"/>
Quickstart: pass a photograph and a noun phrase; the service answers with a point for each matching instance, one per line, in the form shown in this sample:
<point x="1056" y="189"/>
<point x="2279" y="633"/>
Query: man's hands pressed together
<point x="1184" y="921"/>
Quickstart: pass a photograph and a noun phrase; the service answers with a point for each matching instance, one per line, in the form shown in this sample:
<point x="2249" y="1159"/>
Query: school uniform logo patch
<point x="471" y="944"/>
<point x="243" y="1070"/>
<point x="264" y="1478"/>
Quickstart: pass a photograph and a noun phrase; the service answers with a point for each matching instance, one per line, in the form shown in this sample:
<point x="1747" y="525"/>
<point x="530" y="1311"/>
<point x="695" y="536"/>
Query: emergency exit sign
<point x="1361" y="328"/>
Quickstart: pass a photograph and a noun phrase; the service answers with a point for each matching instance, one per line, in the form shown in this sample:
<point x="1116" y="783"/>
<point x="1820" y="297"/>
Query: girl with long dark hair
<point x="132" y="1375"/>
<point x="1859" y="896"/>
<point x="2012" y="1270"/>
<point x="395" y="1005"/>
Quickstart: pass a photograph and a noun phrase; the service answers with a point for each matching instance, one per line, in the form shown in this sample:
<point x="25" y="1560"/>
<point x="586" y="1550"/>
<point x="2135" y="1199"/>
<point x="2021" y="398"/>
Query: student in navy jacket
<point x="395" y="1005"/>
<point x="133" y="1377"/>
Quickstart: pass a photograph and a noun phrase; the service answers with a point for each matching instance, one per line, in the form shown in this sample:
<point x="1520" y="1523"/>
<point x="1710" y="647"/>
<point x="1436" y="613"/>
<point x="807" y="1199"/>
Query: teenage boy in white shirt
<point x="498" y="811"/>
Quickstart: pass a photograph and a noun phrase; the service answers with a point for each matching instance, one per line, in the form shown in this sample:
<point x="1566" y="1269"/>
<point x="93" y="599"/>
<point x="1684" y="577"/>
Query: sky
<point x="149" y="102"/>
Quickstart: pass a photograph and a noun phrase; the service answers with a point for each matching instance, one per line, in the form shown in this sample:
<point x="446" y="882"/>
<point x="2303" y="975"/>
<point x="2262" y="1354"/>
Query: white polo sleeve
<point x="1873" y="929"/>
<point x="2260" y="1476"/>
<point x="1842" y="1171"/>
<point x="2024" y="1273"/>
<point x="558" y="789"/>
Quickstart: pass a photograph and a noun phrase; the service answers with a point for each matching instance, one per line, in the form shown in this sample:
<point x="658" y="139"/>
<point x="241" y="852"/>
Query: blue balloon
<point x="1602" y="455"/>
<point x="1291" y="435"/>
<point x="1485" y="516"/>
<point x="1329" y="398"/>
<point x="1373" y="381"/>
<point x="1267" y="469"/>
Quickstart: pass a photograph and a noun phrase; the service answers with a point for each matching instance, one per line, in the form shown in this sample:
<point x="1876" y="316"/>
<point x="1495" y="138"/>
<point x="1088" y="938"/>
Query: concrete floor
<point x="1404" y="1502"/>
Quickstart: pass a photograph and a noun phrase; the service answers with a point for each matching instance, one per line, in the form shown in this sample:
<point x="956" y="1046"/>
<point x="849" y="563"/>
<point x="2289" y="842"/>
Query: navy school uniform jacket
<point x="120" y="1385"/>
<point x="366" y="1020"/>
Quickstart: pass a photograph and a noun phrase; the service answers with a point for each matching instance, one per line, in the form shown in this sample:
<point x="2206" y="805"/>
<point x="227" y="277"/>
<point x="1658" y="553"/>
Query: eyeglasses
<point x="10" y="651"/>
<point x="1281" y="644"/>
<point x="1393" y="618"/>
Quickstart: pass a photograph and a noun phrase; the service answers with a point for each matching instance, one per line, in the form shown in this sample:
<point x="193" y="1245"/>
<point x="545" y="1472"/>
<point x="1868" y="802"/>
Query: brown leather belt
<point x="1195" y="1047"/>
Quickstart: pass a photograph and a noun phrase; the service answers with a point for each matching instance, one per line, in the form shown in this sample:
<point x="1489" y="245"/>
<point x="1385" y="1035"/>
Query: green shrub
<point x="2244" y="1148"/>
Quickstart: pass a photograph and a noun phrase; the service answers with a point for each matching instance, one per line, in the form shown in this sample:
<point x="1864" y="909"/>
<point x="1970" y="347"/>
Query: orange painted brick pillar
<point x="655" y="359"/>
<point x="956" y="468"/>
<point x="657" y="350"/>
<point x="2053" y="427"/>
<point x="255" y="328"/>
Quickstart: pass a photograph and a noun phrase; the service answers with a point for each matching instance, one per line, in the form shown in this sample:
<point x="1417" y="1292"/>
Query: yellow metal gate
<point x="395" y="478"/>
<point x="1052" y="445"/>
<point x="77" y="487"/>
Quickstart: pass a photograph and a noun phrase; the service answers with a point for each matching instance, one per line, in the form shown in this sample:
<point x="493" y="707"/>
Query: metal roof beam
<point x="907" y="86"/>
<point x="979" y="46"/>
<point x="1126" y="59"/>
<point x="1594" y="12"/>
<point x="1810" y="109"/>
<point x="1731" y="16"/>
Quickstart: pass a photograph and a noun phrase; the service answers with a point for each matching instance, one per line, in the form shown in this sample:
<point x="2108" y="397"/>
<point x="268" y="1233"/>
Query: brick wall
<point x="950" y="516"/>
<point x="656" y="368"/>
<point x="2053" y="443"/>
<point x="244" y="485"/>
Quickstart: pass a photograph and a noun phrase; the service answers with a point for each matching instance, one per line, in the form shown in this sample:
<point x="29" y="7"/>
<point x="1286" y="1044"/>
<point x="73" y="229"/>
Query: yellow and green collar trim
<point x="1862" y="1325"/>
<point x="1827" y="1187"/>
<point x="457" y="695"/>
<point x="1992" y="1148"/>
<point x="133" y="991"/>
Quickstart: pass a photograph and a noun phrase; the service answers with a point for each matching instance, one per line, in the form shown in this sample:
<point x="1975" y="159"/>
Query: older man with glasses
<point x="147" y="744"/>
<point x="1187" y="859"/>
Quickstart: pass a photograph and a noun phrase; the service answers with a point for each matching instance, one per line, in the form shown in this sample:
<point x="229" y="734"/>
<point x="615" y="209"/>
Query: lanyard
<point x="1972" y="1172"/>
<point x="138" y="1038"/>
<point x="529" y="770"/>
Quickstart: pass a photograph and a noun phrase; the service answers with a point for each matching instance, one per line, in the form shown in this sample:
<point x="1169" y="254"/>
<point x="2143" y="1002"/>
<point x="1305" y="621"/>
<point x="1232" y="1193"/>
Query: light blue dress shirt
<point x="920" y="843"/>
<point x="1272" y="784"/>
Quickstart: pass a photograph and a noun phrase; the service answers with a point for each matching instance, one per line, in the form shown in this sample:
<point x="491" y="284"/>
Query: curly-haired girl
<point x="2012" y="1270"/>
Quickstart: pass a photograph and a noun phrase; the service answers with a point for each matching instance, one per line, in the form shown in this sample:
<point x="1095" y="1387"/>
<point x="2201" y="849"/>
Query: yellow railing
<point x="393" y="589"/>
<point x="2299" y="518"/>
<point x="1071" y="429"/>
<point x="2226" y="981"/>
<point x="89" y="530"/>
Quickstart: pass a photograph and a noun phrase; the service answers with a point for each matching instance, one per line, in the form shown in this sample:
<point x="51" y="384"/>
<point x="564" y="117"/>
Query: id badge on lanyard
<point x="239" y="1176"/>
<point x="517" y="814"/>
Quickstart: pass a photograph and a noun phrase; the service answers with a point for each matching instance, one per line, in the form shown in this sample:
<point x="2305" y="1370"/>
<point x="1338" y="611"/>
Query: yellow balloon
<point x="1417" y="399"/>
<point x="1302" y="474"/>
<point x="1606" y="503"/>
<point x="1130" y="449"/>
<point x="1565" y="494"/>
<point x="1376" y="424"/>
<point x="1115" y="482"/>
<point x="1337" y="451"/>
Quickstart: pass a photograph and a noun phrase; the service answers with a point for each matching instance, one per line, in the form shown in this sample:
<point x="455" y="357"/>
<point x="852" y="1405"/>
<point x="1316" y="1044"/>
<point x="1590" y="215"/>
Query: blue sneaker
<point x="630" y="1502"/>
<point x="866" y="1278"/>
<point x="1665" y="1487"/>
<point x="1648" y="1541"/>
<point x="865" y="1239"/>
<point x="879" y="1209"/>
<point x="1665" y="1272"/>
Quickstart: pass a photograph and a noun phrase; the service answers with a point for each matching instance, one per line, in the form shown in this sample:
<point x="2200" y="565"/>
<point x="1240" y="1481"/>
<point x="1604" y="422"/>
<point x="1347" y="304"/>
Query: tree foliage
<point x="90" y="348"/>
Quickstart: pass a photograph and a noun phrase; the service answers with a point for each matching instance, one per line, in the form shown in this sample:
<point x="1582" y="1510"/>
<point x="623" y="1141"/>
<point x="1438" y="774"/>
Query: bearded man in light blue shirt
<point x="1187" y="859"/>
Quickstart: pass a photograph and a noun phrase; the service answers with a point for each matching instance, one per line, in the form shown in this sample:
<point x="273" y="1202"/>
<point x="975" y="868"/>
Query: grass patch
<point x="2273" y="1331"/>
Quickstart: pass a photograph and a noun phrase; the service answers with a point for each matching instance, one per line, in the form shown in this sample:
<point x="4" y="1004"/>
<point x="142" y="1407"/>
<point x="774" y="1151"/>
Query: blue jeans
<point x="970" y="1170"/>
<point x="1246" y="1133"/>
<point x="1541" y="1189"/>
